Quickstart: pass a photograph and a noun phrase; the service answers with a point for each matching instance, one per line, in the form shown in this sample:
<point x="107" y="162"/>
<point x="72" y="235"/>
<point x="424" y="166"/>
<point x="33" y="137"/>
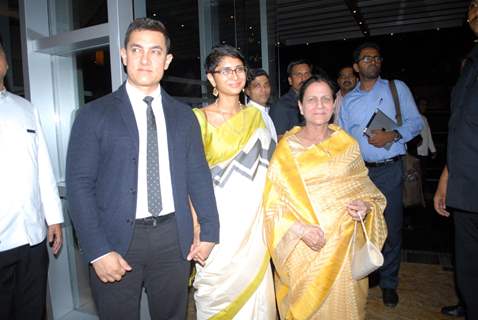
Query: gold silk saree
<point x="313" y="185"/>
<point x="237" y="282"/>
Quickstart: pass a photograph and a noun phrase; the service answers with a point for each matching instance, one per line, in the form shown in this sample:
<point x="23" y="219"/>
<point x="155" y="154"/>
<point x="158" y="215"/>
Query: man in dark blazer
<point x="456" y="192"/>
<point x="135" y="163"/>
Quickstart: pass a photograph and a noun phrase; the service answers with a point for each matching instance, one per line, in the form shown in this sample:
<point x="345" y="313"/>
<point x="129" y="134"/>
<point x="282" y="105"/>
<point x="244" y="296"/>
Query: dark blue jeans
<point x="388" y="180"/>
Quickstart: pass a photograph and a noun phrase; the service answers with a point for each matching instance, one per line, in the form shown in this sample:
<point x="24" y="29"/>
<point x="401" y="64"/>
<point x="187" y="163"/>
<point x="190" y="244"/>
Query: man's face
<point x="298" y="75"/>
<point x="347" y="79"/>
<point x="146" y="58"/>
<point x="3" y="67"/>
<point x="259" y="90"/>
<point x="369" y="64"/>
<point x="473" y="16"/>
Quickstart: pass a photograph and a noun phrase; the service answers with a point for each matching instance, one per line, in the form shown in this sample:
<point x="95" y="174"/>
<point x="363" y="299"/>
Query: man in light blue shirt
<point x="382" y="150"/>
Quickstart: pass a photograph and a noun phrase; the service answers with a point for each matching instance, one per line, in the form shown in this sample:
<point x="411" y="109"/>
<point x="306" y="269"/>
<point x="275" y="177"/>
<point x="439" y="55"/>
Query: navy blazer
<point x="102" y="174"/>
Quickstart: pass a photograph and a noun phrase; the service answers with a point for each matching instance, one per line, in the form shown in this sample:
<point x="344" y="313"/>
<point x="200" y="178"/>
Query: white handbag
<point x="367" y="259"/>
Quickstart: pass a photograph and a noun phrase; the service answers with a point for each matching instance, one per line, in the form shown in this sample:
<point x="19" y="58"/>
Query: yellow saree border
<point x="233" y="308"/>
<point x="227" y="139"/>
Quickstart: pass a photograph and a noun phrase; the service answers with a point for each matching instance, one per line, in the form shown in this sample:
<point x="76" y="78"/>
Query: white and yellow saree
<point x="236" y="282"/>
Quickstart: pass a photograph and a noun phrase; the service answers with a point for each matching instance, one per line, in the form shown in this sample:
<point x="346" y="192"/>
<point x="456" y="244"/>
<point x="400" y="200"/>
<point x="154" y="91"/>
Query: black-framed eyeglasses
<point x="368" y="59"/>
<point x="227" y="72"/>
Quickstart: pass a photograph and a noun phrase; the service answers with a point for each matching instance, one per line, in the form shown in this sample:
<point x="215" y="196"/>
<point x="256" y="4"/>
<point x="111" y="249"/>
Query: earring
<point x="215" y="92"/>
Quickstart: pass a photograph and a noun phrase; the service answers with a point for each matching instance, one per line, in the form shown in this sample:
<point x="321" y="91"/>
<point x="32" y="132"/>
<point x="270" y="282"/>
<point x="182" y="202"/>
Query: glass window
<point x="70" y="15"/>
<point x="94" y="73"/>
<point x="238" y="24"/>
<point x="10" y="38"/>
<point x="183" y="78"/>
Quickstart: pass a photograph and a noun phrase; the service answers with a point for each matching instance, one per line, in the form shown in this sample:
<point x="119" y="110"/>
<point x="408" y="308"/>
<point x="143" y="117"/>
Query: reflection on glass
<point x="239" y="26"/>
<point x="10" y="37"/>
<point x="182" y="79"/>
<point x="94" y="74"/>
<point x="75" y="14"/>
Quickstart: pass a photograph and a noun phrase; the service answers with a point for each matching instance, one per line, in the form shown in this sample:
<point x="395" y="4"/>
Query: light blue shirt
<point x="358" y="107"/>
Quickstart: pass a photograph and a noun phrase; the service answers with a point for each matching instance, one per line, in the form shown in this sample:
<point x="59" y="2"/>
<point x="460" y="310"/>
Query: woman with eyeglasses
<point x="317" y="188"/>
<point x="236" y="280"/>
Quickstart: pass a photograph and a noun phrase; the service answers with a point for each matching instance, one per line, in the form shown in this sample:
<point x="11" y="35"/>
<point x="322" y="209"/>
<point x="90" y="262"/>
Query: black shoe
<point x="389" y="297"/>
<point x="454" y="311"/>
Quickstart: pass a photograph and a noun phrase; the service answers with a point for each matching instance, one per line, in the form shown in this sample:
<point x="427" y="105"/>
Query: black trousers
<point x="23" y="282"/>
<point x="466" y="260"/>
<point x="158" y="266"/>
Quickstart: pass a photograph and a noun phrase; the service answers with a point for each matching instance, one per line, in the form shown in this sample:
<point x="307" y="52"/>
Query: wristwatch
<point x="398" y="137"/>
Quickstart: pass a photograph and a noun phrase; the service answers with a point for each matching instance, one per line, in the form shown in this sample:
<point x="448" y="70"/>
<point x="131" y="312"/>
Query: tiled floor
<point x="423" y="290"/>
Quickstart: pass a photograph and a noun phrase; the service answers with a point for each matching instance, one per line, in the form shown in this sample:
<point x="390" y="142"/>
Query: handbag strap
<point x="396" y="101"/>
<point x="355" y="233"/>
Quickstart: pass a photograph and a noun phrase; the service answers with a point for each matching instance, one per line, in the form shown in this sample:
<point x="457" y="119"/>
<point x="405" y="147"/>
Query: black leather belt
<point x="383" y="162"/>
<point x="153" y="221"/>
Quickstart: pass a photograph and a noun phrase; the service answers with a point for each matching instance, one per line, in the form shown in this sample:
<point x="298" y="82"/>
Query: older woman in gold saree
<point x="317" y="188"/>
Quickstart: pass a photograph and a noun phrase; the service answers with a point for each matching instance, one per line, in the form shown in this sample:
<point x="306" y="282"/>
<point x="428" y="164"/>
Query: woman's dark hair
<point x="313" y="79"/>
<point x="219" y="52"/>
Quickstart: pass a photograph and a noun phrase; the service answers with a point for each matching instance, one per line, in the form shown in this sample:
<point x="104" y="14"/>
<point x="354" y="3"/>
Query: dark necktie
<point x="152" y="161"/>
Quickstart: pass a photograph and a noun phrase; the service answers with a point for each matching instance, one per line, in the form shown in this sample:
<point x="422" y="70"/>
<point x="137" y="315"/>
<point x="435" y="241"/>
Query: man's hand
<point x="313" y="237"/>
<point x="199" y="252"/>
<point x="358" y="209"/>
<point x="55" y="237"/>
<point x="111" y="267"/>
<point x="439" y="200"/>
<point x="380" y="138"/>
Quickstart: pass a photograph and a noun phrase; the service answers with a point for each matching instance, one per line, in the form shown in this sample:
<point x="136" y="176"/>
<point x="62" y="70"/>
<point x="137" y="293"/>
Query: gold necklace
<point x="241" y="130"/>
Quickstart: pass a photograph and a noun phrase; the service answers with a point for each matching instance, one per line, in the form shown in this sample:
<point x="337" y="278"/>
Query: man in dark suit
<point x="135" y="162"/>
<point x="285" y="112"/>
<point x="456" y="192"/>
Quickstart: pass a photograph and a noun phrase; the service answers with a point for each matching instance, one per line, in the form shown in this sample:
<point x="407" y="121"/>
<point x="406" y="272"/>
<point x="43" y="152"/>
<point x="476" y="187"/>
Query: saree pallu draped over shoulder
<point x="237" y="282"/>
<point x="313" y="185"/>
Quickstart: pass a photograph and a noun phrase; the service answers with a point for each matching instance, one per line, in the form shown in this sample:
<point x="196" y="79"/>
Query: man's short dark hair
<point x="254" y="73"/>
<point x="366" y="45"/>
<point x="218" y="53"/>
<point x="147" y="24"/>
<point x="297" y="62"/>
<point x="345" y="66"/>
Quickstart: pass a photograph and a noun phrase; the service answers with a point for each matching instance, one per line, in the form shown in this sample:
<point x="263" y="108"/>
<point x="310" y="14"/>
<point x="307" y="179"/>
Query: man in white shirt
<point x="135" y="164"/>
<point x="28" y="199"/>
<point x="347" y="80"/>
<point x="258" y="93"/>
<point x="426" y="134"/>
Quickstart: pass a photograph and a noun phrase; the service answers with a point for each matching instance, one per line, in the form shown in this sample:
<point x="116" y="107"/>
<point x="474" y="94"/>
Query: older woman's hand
<point x="358" y="208"/>
<point x="313" y="237"/>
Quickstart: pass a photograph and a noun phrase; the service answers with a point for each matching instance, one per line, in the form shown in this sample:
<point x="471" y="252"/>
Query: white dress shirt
<point x="139" y="108"/>
<point x="28" y="188"/>
<point x="339" y="98"/>
<point x="266" y="117"/>
<point x="427" y="140"/>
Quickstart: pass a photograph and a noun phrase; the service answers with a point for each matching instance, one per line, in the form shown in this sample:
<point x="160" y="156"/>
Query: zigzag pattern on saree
<point x="245" y="163"/>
